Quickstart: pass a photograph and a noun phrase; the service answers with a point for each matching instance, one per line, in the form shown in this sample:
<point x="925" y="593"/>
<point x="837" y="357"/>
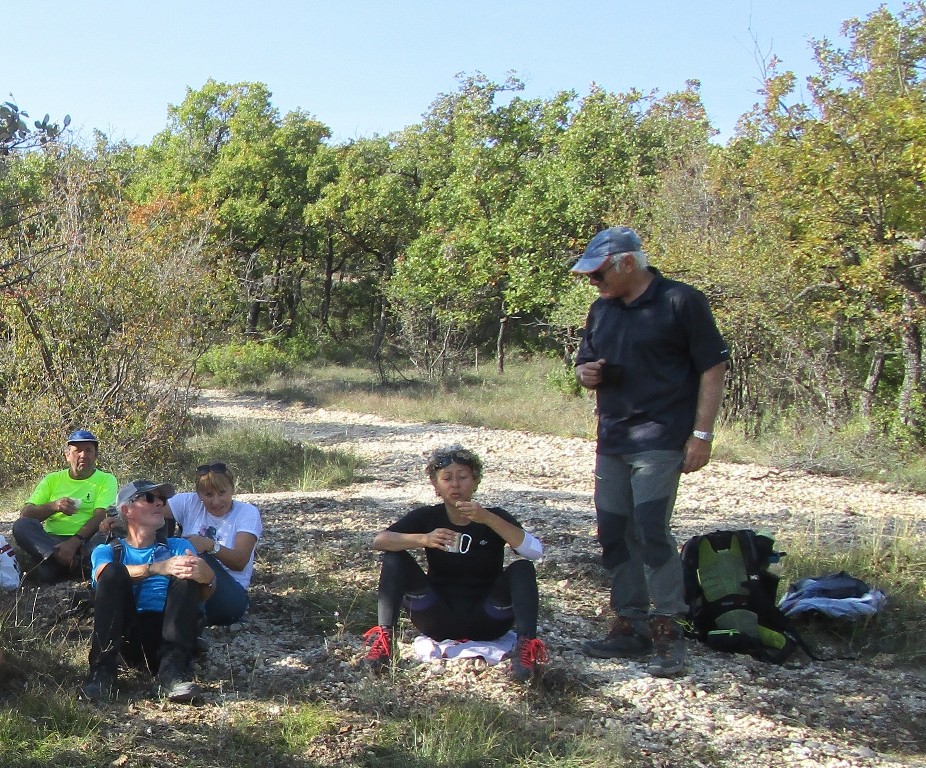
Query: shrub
<point x="564" y="381"/>
<point x="265" y="461"/>
<point x="230" y="365"/>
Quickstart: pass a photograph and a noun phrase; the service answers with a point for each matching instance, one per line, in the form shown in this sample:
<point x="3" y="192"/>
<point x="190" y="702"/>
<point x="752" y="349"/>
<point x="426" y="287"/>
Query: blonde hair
<point x="215" y="480"/>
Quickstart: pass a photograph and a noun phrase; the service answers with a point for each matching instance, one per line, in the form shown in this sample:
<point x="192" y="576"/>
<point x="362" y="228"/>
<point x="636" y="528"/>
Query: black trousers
<point x="36" y="542"/>
<point x="142" y="639"/>
<point x="512" y="601"/>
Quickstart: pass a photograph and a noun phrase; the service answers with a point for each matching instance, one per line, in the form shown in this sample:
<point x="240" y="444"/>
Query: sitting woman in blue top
<point x="148" y="595"/>
<point x="224" y="532"/>
<point x="467" y="592"/>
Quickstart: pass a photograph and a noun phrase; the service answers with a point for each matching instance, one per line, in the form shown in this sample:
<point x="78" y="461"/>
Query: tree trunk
<point x="380" y="336"/>
<point x="867" y="399"/>
<point x="500" y="344"/>
<point x="912" y="350"/>
<point x="325" y="308"/>
<point x="253" y="317"/>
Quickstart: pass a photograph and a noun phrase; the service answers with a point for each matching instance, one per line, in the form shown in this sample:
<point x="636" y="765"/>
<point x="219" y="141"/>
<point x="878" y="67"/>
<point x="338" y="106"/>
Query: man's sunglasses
<point x="598" y="274"/>
<point x="149" y="497"/>
<point x="454" y="457"/>
<point x="205" y="469"/>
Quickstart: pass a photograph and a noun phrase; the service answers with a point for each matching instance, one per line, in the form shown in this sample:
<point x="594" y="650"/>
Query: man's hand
<point x="697" y="454"/>
<point x="64" y="505"/>
<point x="185" y="567"/>
<point x="108" y="523"/>
<point x="589" y="374"/>
<point x="66" y="552"/>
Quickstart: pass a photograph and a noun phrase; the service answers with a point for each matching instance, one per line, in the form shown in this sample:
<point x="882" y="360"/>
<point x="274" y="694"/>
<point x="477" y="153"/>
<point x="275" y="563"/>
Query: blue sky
<point x="368" y="67"/>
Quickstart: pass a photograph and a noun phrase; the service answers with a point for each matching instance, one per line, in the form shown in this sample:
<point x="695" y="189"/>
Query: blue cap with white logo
<point x="606" y="243"/>
<point x="82" y="436"/>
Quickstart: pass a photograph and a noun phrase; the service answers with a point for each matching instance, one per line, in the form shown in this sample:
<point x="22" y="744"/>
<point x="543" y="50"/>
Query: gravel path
<point x="729" y="711"/>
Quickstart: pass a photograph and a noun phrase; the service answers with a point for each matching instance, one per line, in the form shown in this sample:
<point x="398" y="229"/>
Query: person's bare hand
<point x="182" y="566"/>
<point x="201" y="543"/>
<point x="589" y="374"/>
<point x="697" y="454"/>
<point x="64" y="505"/>
<point x="203" y="572"/>
<point x="107" y="524"/>
<point x="472" y="511"/>
<point x="440" y="538"/>
<point x="66" y="551"/>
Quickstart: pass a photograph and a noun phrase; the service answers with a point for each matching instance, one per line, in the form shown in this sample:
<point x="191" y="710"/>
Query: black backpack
<point x="731" y="595"/>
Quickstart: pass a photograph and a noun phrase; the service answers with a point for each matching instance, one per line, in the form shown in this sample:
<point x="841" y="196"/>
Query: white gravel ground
<point x="728" y="711"/>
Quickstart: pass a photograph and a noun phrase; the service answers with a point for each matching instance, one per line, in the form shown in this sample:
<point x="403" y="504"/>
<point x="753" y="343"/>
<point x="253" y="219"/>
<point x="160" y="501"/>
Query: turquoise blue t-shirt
<point x="150" y="593"/>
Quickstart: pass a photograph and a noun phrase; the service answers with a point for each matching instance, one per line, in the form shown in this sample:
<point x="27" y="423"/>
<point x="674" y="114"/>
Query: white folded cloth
<point x="493" y="651"/>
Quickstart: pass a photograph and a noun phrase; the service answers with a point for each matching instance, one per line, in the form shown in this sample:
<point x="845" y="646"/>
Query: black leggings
<point x="511" y="601"/>
<point x="142" y="639"/>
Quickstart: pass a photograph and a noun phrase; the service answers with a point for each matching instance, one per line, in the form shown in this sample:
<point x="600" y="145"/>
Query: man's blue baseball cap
<point x="606" y="243"/>
<point x="82" y="436"/>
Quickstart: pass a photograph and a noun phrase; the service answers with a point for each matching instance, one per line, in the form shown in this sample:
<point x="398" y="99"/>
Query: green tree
<point x="370" y="212"/>
<point x="105" y="330"/>
<point x="841" y="174"/>
<point x="228" y="150"/>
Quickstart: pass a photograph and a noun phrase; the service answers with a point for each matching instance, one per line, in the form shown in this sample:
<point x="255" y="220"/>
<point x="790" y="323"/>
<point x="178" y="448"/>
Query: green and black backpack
<point x="731" y="595"/>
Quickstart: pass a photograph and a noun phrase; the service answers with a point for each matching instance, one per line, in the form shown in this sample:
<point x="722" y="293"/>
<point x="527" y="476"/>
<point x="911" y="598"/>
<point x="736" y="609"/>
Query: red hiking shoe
<point x="528" y="654"/>
<point x="382" y="645"/>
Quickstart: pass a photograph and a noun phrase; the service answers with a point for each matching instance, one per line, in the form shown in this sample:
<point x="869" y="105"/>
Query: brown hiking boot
<point x="669" y="645"/>
<point x="628" y="637"/>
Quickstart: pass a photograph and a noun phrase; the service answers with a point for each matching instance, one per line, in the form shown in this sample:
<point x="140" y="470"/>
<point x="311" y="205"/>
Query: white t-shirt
<point x="190" y="512"/>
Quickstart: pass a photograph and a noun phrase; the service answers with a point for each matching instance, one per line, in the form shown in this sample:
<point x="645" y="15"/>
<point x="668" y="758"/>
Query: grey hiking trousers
<point x="634" y="499"/>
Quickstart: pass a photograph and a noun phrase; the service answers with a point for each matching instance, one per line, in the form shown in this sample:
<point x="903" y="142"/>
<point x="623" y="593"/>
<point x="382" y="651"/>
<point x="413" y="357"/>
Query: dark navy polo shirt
<point x="663" y="341"/>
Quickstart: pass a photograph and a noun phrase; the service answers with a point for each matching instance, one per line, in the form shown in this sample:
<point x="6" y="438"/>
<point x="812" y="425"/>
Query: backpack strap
<point x="118" y="548"/>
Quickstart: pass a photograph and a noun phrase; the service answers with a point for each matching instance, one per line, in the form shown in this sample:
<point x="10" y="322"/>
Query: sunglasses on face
<point x="454" y="457"/>
<point x="149" y="497"/>
<point x="205" y="469"/>
<point x="598" y="275"/>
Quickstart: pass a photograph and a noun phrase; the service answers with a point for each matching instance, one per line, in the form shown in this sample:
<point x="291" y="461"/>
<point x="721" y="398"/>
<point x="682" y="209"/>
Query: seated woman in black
<point x="467" y="592"/>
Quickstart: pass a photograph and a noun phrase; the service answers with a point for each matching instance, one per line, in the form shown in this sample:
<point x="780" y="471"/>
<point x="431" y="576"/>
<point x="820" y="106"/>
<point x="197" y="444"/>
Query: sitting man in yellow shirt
<point x="63" y="514"/>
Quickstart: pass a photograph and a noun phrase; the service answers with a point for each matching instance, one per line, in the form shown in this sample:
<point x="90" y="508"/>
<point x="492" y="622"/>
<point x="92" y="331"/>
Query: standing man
<point x="653" y="355"/>
<point x="65" y="511"/>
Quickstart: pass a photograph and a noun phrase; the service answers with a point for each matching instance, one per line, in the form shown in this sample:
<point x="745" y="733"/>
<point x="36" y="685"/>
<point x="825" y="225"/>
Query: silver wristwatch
<point x="706" y="436"/>
<point x="215" y="547"/>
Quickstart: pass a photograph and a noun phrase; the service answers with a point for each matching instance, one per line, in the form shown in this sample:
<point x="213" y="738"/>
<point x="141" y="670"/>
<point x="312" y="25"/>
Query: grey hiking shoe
<point x="671" y="652"/>
<point x="100" y="685"/>
<point x="174" y="683"/>
<point x="628" y="637"/>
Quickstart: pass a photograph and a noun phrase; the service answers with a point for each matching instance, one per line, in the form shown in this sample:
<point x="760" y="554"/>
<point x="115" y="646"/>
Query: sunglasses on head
<point x="453" y="457"/>
<point x="150" y="497"/>
<point x="205" y="469"/>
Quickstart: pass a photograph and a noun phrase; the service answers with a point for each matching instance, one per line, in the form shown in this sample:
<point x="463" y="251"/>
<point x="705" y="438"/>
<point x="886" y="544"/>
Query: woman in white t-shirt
<point x="225" y="533"/>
